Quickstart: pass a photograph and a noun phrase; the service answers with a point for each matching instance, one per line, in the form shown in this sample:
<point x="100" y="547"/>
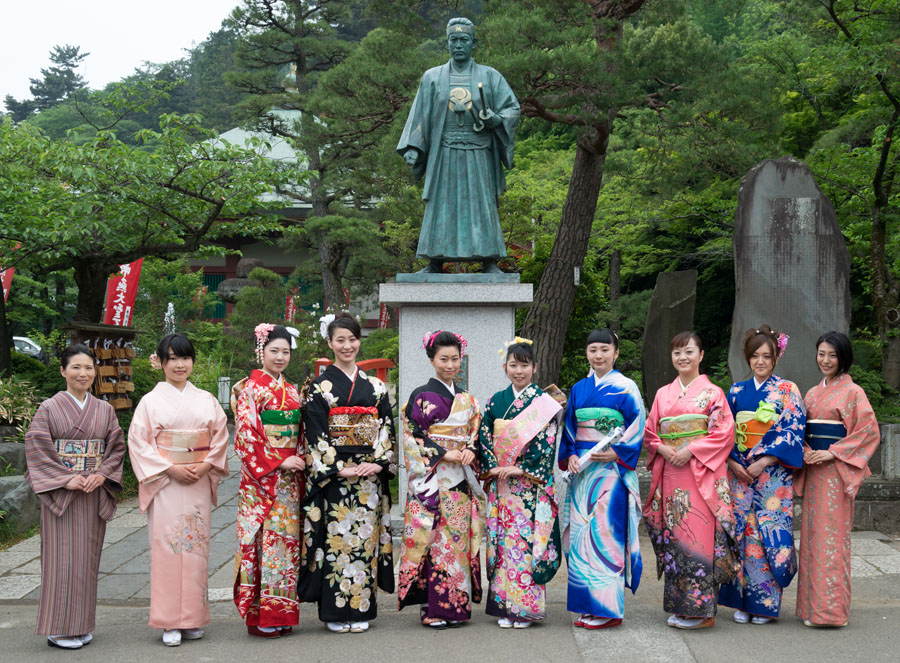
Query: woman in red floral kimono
<point x="267" y="439"/>
<point x="841" y="436"/>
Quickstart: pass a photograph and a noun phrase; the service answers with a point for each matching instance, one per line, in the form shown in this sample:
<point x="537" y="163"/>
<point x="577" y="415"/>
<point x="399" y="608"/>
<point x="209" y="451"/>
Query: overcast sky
<point x="119" y="35"/>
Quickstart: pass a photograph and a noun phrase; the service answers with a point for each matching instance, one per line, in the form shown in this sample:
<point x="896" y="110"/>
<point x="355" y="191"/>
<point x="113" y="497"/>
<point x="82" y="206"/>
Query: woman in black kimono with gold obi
<point x="347" y="532"/>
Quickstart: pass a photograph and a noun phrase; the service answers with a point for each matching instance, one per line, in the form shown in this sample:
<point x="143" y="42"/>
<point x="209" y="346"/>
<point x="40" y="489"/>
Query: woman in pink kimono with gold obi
<point x="178" y="441"/>
<point x="689" y="435"/>
<point x="841" y="436"/>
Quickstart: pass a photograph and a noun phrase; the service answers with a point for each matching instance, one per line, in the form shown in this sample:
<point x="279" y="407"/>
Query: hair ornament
<point x="155" y="363"/>
<point x="295" y="334"/>
<point x="324" y="322"/>
<point x="515" y="341"/>
<point x="429" y="337"/>
<point x="261" y="332"/>
<point x="782" y="343"/>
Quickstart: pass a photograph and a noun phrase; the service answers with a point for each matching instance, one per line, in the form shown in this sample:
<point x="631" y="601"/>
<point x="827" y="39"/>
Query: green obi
<point x="602" y="419"/>
<point x="282" y="427"/>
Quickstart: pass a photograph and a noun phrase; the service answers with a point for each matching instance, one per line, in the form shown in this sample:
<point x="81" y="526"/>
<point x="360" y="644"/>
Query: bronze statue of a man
<point x="460" y="134"/>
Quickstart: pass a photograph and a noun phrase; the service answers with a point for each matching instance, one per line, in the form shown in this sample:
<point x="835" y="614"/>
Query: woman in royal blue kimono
<point x="602" y="509"/>
<point x="769" y="426"/>
<point x="517" y="448"/>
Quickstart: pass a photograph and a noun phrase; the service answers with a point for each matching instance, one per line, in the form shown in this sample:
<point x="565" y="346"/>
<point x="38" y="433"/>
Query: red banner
<point x="6" y="277"/>
<point x="384" y="318"/>
<point x="290" y="308"/>
<point x="121" y="292"/>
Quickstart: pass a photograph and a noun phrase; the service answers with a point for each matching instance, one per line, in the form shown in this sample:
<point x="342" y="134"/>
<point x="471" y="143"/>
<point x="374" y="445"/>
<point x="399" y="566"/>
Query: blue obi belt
<point x="821" y="433"/>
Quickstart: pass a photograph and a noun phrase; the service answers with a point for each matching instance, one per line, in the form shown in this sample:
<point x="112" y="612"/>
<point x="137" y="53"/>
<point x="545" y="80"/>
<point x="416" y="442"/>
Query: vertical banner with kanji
<point x="121" y="292"/>
<point x="6" y="277"/>
<point x="384" y="318"/>
<point x="290" y="308"/>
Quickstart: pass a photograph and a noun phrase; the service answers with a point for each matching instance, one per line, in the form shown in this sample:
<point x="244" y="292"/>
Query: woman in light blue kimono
<point x="769" y="425"/>
<point x="602" y="509"/>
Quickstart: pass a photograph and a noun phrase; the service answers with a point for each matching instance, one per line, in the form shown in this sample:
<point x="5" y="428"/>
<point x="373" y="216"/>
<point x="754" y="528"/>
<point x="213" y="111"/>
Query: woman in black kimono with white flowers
<point x="347" y="550"/>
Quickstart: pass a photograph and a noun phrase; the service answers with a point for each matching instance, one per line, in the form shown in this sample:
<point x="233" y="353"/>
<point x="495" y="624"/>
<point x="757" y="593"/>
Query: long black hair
<point x="841" y="344"/>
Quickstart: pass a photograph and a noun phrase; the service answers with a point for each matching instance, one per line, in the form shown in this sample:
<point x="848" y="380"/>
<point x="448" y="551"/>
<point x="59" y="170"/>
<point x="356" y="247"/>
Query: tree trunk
<point x="91" y="279"/>
<point x="5" y="341"/>
<point x="615" y="288"/>
<point x="548" y="318"/>
<point x="890" y="361"/>
<point x="330" y="262"/>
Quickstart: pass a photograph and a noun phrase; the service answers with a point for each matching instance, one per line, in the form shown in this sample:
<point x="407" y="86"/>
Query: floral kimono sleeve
<point x="784" y="440"/>
<point x="250" y="443"/>
<point x="486" y="455"/>
<point x="385" y="454"/>
<point x="420" y="453"/>
<point x="474" y="444"/>
<point x="323" y="459"/>
<point x="537" y="459"/>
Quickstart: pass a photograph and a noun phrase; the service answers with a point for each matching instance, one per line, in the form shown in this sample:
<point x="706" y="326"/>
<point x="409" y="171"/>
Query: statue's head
<point x="460" y="39"/>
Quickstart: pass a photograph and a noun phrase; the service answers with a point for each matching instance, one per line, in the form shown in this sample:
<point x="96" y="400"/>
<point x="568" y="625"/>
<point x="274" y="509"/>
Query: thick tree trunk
<point x="548" y="317"/>
<point x="330" y="262"/>
<point x="91" y="280"/>
<point x="5" y="341"/>
<point x="615" y="288"/>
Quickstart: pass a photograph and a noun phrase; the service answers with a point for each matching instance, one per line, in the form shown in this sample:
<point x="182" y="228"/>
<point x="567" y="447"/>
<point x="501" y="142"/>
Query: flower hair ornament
<point x="429" y="337"/>
<point x="261" y="332"/>
<point x="515" y="341"/>
<point x="155" y="363"/>
<point x="324" y="322"/>
<point x="782" y="343"/>
<point x="295" y="334"/>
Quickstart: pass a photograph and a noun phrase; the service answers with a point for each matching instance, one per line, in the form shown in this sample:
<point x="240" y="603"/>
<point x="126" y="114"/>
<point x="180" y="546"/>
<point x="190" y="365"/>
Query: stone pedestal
<point x="482" y="312"/>
<point x="890" y="451"/>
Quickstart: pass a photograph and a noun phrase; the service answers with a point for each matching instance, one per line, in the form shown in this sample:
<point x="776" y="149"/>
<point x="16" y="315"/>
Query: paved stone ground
<point x="123" y="597"/>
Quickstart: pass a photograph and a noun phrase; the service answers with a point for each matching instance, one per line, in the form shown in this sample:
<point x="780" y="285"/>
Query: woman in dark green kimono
<point x="518" y="449"/>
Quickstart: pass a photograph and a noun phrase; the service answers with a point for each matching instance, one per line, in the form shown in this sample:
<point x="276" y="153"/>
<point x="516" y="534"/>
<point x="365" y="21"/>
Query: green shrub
<point x="18" y="403"/>
<point x="45" y="380"/>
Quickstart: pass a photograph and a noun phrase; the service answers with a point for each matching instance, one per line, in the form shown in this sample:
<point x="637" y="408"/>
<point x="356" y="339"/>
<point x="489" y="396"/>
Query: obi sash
<point x="511" y="436"/>
<point x="450" y="437"/>
<point x="750" y="427"/>
<point x="680" y="431"/>
<point x="353" y="429"/>
<point x="282" y="428"/>
<point x="822" y="433"/>
<point x="182" y="447"/>
<point x="595" y="423"/>
<point x="80" y="455"/>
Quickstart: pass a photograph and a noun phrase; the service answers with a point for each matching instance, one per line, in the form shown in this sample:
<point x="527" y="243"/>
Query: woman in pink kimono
<point x="841" y="436"/>
<point x="178" y="442"/>
<point x="688" y="513"/>
<point x="74" y="449"/>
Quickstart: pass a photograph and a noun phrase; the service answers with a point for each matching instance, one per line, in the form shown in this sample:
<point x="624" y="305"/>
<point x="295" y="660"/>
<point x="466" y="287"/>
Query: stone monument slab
<point x="791" y="266"/>
<point x="671" y="311"/>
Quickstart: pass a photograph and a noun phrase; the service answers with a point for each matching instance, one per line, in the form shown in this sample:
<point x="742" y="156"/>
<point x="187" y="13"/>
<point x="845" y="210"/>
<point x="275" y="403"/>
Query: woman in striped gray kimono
<point x="74" y="449"/>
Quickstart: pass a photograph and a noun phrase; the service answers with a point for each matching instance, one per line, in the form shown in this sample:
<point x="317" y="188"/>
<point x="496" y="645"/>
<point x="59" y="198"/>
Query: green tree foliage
<point x="59" y="82"/>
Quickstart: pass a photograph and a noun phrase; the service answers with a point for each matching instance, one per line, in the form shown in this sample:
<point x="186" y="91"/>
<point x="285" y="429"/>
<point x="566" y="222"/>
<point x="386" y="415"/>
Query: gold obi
<point x="182" y="447"/>
<point x="81" y="455"/>
<point x="451" y="438"/>
<point x="282" y="436"/>
<point x="677" y="432"/>
<point x="500" y="426"/>
<point x="353" y="429"/>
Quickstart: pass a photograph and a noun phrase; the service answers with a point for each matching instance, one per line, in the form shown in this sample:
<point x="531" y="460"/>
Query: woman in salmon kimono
<point x="517" y="448"/>
<point x="602" y="509"/>
<point x="74" y="449"/>
<point x="268" y="440"/>
<point x="688" y="514"/>
<point x="841" y="436"/>
<point x="347" y="546"/>
<point x="443" y="523"/>
<point x="178" y="441"/>
<point x="769" y="422"/>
